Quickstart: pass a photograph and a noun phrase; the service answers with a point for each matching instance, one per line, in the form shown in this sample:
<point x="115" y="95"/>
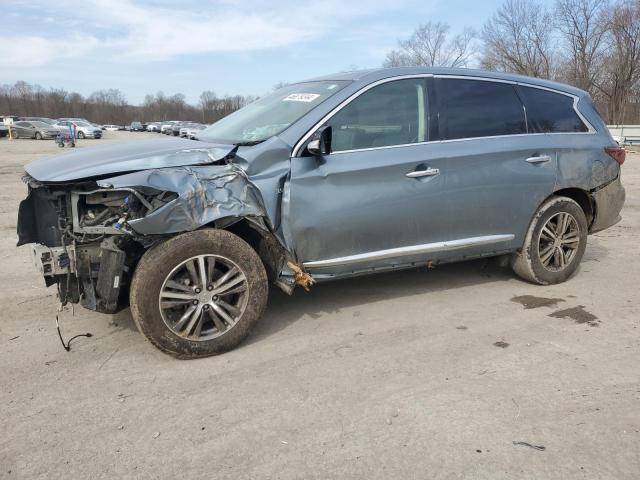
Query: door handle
<point x="538" y="159"/>
<point x="428" y="172"/>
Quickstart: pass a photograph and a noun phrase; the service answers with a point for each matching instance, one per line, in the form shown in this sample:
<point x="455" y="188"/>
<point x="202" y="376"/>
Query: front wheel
<point x="199" y="293"/>
<point x="80" y="135"/>
<point x="555" y="243"/>
<point x="38" y="136"/>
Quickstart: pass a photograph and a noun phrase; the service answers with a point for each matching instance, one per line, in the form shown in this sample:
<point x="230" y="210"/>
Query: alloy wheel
<point x="558" y="241"/>
<point x="203" y="297"/>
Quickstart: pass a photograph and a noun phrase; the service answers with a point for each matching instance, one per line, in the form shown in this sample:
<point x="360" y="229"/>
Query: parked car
<point x="34" y="129"/>
<point x="111" y="128"/>
<point x="4" y="130"/>
<point x="195" y="131"/>
<point x="345" y="175"/>
<point x="83" y="129"/>
<point x="175" y="130"/>
<point x="136" y="127"/>
<point x="189" y="131"/>
<point x="167" y="126"/>
<point x="153" y="127"/>
<point x="50" y="121"/>
<point x="75" y="120"/>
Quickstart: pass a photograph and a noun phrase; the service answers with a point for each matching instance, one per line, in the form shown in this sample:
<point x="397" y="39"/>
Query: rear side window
<point x="477" y="108"/>
<point x="390" y="114"/>
<point x="550" y="112"/>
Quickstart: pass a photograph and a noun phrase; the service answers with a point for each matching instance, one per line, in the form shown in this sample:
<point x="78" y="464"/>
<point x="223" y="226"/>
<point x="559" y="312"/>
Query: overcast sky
<point x="228" y="46"/>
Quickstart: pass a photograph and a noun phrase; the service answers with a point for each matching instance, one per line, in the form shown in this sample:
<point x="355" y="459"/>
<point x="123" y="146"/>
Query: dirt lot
<point x="419" y="374"/>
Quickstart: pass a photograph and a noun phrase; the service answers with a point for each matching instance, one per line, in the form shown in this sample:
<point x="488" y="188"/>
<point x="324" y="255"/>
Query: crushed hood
<point x="126" y="157"/>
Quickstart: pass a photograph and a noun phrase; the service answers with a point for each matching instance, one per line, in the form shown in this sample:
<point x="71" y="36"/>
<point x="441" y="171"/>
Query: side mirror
<point x="320" y="143"/>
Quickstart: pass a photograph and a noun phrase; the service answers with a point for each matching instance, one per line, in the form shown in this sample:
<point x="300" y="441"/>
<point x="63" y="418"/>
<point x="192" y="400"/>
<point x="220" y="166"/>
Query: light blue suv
<point x="338" y="176"/>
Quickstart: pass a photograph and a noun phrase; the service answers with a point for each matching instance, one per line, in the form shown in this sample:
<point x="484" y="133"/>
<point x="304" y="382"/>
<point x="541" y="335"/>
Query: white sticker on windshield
<point x="301" y="97"/>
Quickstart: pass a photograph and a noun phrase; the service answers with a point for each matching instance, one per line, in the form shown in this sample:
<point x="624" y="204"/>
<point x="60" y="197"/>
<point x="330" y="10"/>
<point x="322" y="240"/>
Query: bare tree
<point x="208" y="100"/>
<point x="518" y="39"/>
<point x="622" y="77"/>
<point x="582" y="25"/>
<point x="431" y="45"/>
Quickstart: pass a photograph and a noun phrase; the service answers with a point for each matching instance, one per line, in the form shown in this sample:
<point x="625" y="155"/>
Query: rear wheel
<point x="198" y="294"/>
<point x="14" y="134"/>
<point x="555" y="243"/>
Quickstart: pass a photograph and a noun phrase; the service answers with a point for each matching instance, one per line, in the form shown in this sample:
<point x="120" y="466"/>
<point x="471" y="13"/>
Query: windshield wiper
<point x="250" y="143"/>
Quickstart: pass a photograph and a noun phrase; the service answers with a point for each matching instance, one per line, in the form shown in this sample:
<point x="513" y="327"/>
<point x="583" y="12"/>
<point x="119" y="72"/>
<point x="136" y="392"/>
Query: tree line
<point x="591" y="44"/>
<point x="111" y="107"/>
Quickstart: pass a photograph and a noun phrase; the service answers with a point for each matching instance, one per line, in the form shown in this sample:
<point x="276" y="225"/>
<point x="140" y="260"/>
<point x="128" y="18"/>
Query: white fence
<point x="630" y="134"/>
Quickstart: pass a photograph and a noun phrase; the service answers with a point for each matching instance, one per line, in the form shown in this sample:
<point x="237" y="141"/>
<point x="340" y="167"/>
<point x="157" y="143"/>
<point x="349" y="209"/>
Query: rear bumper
<point x="608" y="201"/>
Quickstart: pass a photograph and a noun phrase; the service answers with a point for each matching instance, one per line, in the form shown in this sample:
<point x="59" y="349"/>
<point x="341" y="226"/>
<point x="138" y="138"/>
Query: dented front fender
<point x="206" y="194"/>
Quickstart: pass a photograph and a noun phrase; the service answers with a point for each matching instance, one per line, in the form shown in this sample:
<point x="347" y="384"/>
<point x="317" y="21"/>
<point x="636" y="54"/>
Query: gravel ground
<point x="418" y="374"/>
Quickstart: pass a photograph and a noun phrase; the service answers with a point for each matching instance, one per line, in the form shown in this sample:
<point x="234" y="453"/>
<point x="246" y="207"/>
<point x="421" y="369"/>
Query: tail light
<point x="617" y="153"/>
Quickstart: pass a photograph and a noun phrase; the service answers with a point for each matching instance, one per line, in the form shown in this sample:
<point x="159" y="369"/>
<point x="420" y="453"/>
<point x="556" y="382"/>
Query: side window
<point x="549" y="112"/>
<point x="478" y="108"/>
<point x="390" y="114"/>
<point x="22" y="124"/>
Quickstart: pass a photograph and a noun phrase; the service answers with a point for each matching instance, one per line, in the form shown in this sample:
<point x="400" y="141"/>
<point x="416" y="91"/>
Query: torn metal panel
<point x="205" y="194"/>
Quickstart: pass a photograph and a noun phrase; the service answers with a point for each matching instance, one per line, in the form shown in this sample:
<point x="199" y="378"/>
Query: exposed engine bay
<point x="82" y="241"/>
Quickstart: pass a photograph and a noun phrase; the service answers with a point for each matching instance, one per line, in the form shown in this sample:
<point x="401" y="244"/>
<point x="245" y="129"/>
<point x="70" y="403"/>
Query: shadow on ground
<point x="331" y="297"/>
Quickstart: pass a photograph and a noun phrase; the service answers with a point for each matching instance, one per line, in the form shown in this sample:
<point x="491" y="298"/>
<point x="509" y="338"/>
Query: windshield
<point x="271" y="114"/>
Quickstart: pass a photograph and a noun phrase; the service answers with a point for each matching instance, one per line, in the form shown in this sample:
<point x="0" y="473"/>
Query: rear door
<point x="496" y="173"/>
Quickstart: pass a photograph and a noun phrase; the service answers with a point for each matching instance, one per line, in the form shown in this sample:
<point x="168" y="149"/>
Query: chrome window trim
<point x="410" y="250"/>
<point x="297" y="150"/>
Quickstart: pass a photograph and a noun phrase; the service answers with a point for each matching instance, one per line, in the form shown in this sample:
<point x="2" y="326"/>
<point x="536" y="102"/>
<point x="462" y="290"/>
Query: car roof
<point x="372" y="75"/>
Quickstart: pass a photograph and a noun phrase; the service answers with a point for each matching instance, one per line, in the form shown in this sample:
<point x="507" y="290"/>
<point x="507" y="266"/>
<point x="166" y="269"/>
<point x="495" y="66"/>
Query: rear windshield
<point x="271" y="114"/>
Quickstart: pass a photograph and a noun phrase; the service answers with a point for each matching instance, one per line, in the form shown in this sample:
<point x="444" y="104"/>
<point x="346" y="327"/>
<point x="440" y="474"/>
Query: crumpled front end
<point x="87" y="237"/>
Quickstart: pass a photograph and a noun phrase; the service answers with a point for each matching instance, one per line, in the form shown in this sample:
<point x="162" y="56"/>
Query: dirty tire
<point x="158" y="262"/>
<point x="527" y="263"/>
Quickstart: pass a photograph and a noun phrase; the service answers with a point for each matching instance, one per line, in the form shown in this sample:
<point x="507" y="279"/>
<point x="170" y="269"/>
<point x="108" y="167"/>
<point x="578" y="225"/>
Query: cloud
<point x="35" y="51"/>
<point x="128" y="30"/>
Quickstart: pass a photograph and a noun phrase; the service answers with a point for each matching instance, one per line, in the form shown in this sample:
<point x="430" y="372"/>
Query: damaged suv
<point x="345" y="175"/>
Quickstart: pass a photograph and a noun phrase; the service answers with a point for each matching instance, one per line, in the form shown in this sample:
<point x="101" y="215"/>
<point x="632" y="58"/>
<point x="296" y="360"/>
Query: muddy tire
<point x="554" y="244"/>
<point x="199" y="293"/>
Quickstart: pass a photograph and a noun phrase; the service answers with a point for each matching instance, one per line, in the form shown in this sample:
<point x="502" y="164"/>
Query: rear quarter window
<point x="550" y="112"/>
<point x="478" y="108"/>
